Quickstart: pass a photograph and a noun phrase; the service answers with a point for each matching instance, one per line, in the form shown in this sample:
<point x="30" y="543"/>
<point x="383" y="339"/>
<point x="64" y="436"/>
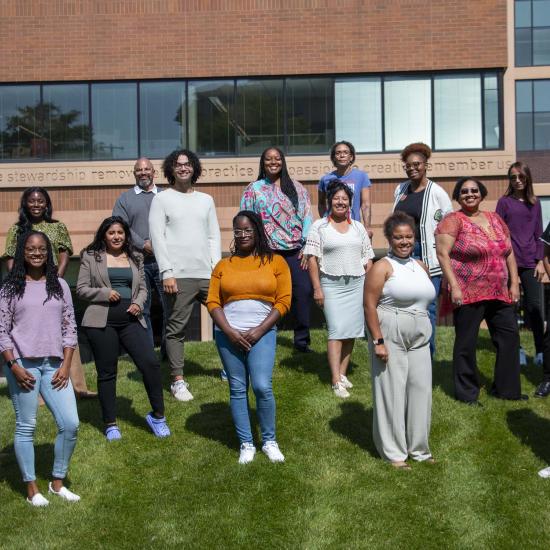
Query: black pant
<point x="123" y="328"/>
<point x="532" y="304"/>
<point x="302" y="294"/>
<point x="503" y="327"/>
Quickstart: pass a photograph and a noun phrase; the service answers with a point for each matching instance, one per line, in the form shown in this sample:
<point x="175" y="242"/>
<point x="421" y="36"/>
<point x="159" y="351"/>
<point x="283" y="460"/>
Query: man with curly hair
<point x="186" y="241"/>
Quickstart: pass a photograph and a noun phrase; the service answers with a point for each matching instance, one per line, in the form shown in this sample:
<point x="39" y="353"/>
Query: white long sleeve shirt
<point x="185" y="234"/>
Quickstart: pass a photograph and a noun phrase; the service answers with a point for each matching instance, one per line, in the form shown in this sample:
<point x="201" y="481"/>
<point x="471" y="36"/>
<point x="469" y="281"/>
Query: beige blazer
<point x="94" y="286"/>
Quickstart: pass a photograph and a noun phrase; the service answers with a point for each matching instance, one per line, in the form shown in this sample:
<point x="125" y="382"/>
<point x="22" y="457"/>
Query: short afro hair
<point x="460" y="183"/>
<point x="418" y="148"/>
<point x="395" y="220"/>
<point x="348" y="145"/>
<point x="170" y="162"/>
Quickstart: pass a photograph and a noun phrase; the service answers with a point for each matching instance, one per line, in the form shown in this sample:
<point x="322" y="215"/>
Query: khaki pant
<point x="402" y="387"/>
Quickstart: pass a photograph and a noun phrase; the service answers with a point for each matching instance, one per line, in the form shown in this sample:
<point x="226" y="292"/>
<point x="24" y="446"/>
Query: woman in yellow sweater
<point x="249" y="292"/>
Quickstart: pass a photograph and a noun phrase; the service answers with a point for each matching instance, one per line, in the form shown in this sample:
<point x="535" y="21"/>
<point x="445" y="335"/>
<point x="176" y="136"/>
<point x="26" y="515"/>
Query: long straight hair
<point x="287" y="185"/>
<point x="525" y="171"/>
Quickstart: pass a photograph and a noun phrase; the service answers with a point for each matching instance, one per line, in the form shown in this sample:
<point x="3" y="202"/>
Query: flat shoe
<point x="543" y="389"/>
<point x="63" y="493"/>
<point x="38" y="500"/>
<point x="401" y="466"/>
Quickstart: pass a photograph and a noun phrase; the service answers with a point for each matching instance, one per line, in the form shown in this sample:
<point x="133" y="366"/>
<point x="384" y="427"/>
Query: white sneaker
<point x="545" y="473"/>
<point x="345" y="382"/>
<point x="180" y="392"/>
<point x="247" y="453"/>
<point x="272" y="451"/>
<point x="339" y="390"/>
<point x="64" y="493"/>
<point x="539" y="359"/>
<point x="38" y="500"/>
<point x="522" y="358"/>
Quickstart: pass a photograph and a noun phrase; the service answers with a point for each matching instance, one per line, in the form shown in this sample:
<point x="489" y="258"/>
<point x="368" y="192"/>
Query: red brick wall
<point x="44" y="40"/>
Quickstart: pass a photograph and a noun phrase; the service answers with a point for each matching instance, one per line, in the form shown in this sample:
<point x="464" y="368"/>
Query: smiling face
<point x="114" y="239"/>
<point x="36" y="252"/>
<point x="183" y="171"/>
<point x="144" y="174"/>
<point x="342" y="156"/>
<point x="340" y="204"/>
<point x="402" y="241"/>
<point x="518" y="181"/>
<point x="415" y="167"/>
<point x="273" y="163"/>
<point x="245" y="235"/>
<point x="36" y="205"/>
<point x="469" y="197"/>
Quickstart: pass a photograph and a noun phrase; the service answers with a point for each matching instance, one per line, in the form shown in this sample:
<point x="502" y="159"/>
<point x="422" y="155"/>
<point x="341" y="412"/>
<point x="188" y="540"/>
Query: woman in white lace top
<point x="339" y="254"/>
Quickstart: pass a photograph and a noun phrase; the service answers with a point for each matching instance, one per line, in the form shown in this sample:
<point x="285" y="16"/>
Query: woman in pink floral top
<point x="475" y="253"/>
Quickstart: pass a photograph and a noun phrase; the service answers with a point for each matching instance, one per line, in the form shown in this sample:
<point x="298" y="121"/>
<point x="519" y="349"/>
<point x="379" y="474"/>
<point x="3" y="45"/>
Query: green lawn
<point x="332" y="492"/>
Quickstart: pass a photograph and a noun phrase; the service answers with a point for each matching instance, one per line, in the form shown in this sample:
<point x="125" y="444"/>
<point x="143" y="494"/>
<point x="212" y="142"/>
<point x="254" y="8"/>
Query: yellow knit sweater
<point x="248" y="279"/>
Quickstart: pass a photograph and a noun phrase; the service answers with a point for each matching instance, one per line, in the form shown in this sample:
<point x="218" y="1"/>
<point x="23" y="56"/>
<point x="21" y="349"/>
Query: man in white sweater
<point x="187" y="245"/>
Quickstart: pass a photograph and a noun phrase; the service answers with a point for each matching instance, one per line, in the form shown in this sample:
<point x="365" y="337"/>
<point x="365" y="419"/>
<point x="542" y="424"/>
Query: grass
<point x="332" y="492"/>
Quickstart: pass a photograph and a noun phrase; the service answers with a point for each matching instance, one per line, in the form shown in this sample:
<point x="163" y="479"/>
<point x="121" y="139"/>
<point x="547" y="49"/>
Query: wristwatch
<point x="378" y="341"/>
<point x="11" y="363"/>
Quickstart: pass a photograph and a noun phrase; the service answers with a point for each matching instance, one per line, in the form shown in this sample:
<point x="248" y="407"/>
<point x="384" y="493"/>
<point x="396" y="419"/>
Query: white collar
<point x="138" y="190"/>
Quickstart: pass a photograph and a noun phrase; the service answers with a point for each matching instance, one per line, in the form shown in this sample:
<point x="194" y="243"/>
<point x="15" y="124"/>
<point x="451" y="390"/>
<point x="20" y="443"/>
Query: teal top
<point x="121" y="281"/>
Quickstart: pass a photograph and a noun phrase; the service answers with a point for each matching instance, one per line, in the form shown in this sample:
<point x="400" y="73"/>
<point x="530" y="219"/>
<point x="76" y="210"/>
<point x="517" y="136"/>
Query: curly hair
<point x="24" y="223"/>
<point x="338" y="185"/>
<point x="348" y="145"/>
<point x="170" y="162"/>
<point x="395" y="220"/>
<point x="287" y="185"/>
<point x="525" y="171"/>
<point x="417" y="148"/>
<point x="262" y="248"/>
<point x="15" y="283"/>
<point x="461" y="181"/>
<point x="97" y="246"/>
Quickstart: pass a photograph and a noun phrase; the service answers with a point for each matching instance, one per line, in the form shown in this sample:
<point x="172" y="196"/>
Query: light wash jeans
<point x="255" y="365"/>
<point x="62" y="404"/>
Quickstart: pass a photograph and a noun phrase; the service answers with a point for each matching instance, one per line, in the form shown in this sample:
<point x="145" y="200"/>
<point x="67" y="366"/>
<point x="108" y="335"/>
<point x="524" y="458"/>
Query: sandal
<point x="401" y="465"/>
<point x="112" y="433"/>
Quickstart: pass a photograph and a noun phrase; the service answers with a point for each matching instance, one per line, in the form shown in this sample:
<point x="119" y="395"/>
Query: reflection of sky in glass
<point x="14" y="97"/>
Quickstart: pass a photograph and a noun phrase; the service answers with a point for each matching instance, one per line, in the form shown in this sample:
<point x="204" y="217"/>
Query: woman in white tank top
<point x="397" y="295"/>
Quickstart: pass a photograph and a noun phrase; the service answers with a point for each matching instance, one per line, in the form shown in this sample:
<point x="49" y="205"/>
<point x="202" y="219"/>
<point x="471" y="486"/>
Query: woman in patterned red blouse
<point x="475" y="253"/>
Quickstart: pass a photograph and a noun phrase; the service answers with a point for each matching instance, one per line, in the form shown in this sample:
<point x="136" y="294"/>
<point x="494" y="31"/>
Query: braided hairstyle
<point x="15" y="282"/>
<point x="24" y="223"/>
<point x="287" y="185"/>
<point x="262" y="249"/>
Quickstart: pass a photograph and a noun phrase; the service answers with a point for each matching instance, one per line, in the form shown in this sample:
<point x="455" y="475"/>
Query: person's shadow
<point x="532" y="430"/>
<point x="214" y="422"/>
<point x="355" y="425"/>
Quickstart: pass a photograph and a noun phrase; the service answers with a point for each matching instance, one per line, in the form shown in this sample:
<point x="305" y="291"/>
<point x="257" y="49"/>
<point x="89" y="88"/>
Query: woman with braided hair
<point x="284" y="207"/>
<point x="37" y="341"/>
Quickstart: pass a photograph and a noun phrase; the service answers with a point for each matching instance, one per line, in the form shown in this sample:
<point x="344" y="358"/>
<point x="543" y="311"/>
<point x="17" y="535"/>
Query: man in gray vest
<point x="133" y="206"/>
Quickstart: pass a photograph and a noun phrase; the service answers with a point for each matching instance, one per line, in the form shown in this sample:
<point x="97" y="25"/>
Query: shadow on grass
<point x="214" y="422"/>
<point x="533" y="373"/>
<point x="308" y="363"/>
<point x="355" y="425"/>
<point x="532" y="430"/>
<point x="89" y="412"/>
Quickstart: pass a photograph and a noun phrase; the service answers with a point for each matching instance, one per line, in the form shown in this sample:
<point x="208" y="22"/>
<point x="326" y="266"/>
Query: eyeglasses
<point x="180" y="165"/>
<point x="469" y="191"/>
<point x="42" y="251"/>
<point x="514" y="177"/>
<point x="416" y="165"/>
<point x="342" y="153"/>
<point x="243" y="232"/>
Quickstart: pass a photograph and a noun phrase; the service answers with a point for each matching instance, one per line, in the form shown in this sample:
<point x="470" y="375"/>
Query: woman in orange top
<point x="249" y="292"/>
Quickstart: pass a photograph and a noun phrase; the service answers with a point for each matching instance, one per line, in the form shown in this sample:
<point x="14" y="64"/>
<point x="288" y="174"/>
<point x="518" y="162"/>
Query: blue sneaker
<point x="112" y="433"/>
<point x="158" y="425"/>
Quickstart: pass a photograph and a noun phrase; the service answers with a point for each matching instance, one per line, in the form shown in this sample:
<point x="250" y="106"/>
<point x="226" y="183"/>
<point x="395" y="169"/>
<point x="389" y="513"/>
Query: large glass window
<point x="65" y="113"/>
<point x="310" y="114"/>
<point x="533" y="115"/>
<point x="407" y="111"/>
<point x="491" y="110"/>
<point x="457" y="112"/>
<point x="358" y="112"/>
<point x="260" y="115"/>
<point x="532" y="32"/>
<point x="114" y="121"/>
<point x="161" y="117"/>
<point x="20" y="136"/>
<point x="211" y="117"/>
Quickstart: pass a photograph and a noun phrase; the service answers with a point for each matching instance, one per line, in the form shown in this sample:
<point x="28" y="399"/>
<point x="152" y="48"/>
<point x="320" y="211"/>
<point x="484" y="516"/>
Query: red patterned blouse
<point x="478" y="256"/>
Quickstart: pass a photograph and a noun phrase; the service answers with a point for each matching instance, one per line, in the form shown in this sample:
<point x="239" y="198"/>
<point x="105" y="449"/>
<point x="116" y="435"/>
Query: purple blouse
<point x="524" y="221"/>
<point x="34" y="328"/>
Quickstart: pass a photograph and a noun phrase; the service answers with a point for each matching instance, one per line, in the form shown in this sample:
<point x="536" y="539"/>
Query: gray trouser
<point x="402" y="387"/>
<point x="179" y="308"/>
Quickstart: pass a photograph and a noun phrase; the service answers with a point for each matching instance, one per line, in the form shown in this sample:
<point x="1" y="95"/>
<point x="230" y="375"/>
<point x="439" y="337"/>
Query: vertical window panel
<point x="541" y="46"/>
<point x="491" y="112"/>
<point x="358" y="112"/>
<point x="407" y="111"/>
<point x="310" y="114"/>
<point x="541" y="13"/>
<point x="114" y="121"/>
<point x="162" y="117"/>
<point x="260" y="115"/>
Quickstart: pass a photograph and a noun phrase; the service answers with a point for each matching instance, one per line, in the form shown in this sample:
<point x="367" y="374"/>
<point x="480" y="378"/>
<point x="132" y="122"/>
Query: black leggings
<point x="123" y="328"/>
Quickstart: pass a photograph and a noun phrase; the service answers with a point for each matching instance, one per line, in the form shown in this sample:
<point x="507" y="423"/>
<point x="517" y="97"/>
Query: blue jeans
<point x="62" y="404"/>
<point x="432" y="308"/>
<point x="255" y="365"/>
<point x="152" y="280"/>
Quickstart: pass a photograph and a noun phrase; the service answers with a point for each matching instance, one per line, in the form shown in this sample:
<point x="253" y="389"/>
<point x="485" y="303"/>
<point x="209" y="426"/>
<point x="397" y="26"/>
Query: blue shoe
<point x="112" y="433"/>
<point x="223" y="375"/>
<point x="158" y="425"/>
